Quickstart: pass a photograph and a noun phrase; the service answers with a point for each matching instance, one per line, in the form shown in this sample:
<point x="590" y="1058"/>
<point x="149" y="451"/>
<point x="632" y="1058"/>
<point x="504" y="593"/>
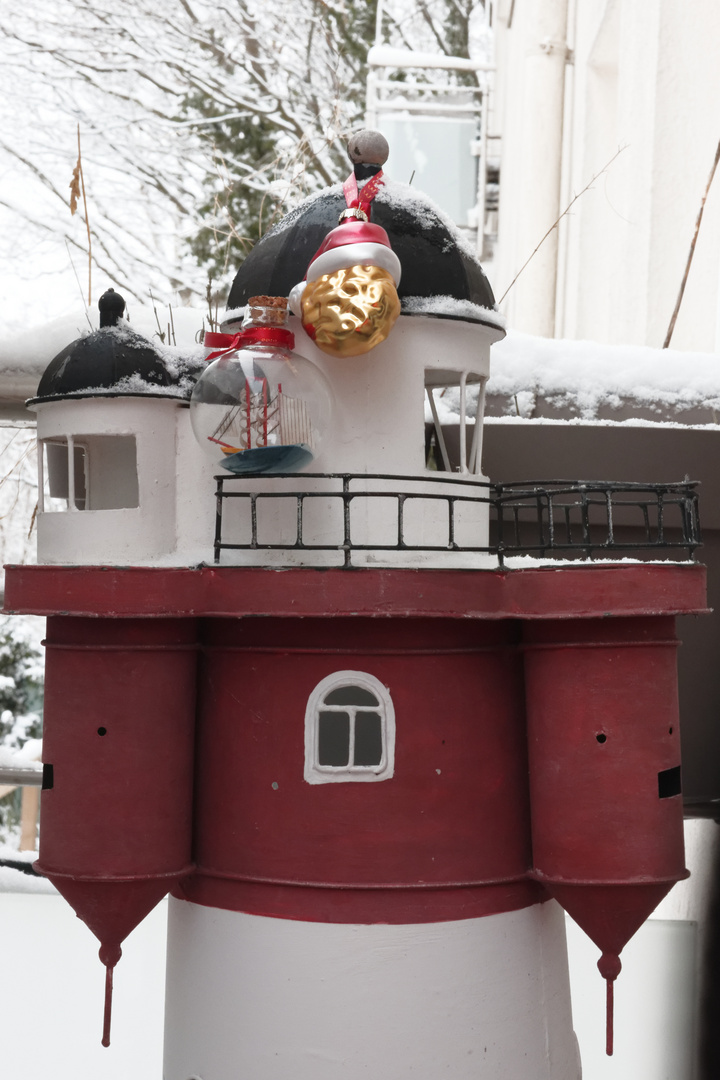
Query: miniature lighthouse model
<point x="288" y="682"/>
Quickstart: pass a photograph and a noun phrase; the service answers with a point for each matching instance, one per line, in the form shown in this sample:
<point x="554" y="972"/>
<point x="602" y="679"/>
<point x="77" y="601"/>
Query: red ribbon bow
<point x="361" y="199"/>
<point x="225" y="344"/>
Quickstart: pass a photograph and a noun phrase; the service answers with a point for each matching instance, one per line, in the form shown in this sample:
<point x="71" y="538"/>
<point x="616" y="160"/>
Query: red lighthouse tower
<point x="367" y="759"/>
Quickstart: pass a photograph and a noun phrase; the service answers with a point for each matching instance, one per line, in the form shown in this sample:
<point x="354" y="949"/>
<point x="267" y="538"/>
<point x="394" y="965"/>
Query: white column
<point x="281" y="999"/>
<point x="536" y="187"/>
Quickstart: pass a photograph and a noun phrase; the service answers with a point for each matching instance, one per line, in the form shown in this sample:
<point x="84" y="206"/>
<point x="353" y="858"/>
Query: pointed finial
<point x="609" y="966"/>
<point x="111" y="306"/>
<point x="109" y="955"/>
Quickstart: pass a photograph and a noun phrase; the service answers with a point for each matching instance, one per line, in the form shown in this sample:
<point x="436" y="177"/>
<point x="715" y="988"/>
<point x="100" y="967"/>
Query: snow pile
<point x="451" y="308"/>
<point x="447" y="404"/>
<point x="16" y="880"/>
<point x="387" y="56"/>
<point x="589" y="380"/>
<point x="26" y="757"/>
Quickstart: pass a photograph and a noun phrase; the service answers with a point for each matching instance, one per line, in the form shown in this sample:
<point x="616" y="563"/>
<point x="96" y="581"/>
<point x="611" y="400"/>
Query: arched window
<point x="349" y="730"/>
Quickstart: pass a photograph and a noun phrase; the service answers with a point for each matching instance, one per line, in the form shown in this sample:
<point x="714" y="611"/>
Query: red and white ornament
<point x="348" y="302"/>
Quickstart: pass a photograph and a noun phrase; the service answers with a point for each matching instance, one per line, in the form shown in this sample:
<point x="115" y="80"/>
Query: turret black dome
<point x="436" y="261"/>
<point x="111" y="360"/>
<point x="115" y="361"/>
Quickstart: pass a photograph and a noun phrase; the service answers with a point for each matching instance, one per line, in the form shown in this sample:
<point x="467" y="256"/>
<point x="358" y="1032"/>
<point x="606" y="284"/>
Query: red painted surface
<point x="602" y="713"/>
<point x="479" y="666"/>
<point x="542" y="593"/>
<point x="455" y="814"/>
<point x="603" y="723"/>
<point x="344" y="905"/>
<point x="118" y="732"/>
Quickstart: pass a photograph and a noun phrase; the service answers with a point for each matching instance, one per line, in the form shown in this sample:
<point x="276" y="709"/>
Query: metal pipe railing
<point x="546" y="519"/>
<point x="18" y="777"/>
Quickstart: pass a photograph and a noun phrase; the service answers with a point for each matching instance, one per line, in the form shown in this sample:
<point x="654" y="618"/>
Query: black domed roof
<point x="437" y="263"/>
<point x="115" y="361"/>
<point x="109" y="360"/>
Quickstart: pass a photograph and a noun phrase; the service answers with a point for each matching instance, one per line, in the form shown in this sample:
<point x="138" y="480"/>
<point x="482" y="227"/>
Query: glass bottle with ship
<point x="260" y="407"/>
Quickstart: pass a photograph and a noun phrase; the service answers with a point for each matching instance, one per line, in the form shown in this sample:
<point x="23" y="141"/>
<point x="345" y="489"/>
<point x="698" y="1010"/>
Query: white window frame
<point x="71" y="443"/>
<point x="445" y="379"/>
<point x="334" y="774"/>
<point x="84" y="443"/>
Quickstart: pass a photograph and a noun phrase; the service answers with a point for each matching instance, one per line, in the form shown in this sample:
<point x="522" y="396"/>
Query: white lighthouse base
<point x="275" y="999"/>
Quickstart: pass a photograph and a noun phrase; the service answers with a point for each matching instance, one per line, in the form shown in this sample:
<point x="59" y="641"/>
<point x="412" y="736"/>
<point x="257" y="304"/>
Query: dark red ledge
<point x="587" y="591"/>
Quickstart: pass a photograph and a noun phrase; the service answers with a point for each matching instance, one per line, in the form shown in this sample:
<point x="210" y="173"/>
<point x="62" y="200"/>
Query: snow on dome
<point x="447" y="307"/>
<point x="117" y="361"/>
<point x="424" y="212"/>
<point x="437" y="262"/>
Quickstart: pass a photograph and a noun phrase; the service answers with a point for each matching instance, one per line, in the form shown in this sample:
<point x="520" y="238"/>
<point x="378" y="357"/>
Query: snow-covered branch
<point x="163" y="90"/>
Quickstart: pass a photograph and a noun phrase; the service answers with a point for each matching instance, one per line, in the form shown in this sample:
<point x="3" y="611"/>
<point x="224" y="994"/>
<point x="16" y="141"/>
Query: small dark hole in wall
<point x="102" y="731"/>
<point x="670" y="731"/>
<point x="48" y="778"/>
<point x="601" y="737"/>
<point x="669" y="783"/>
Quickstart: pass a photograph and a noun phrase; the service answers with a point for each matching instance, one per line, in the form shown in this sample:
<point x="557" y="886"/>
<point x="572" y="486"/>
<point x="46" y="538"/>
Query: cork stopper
<point x="266" y="311"/>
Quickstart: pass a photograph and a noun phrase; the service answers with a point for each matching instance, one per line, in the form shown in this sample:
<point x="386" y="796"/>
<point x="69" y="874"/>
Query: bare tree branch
<point x="691" y="252"/>
<point x="560" y="217"/>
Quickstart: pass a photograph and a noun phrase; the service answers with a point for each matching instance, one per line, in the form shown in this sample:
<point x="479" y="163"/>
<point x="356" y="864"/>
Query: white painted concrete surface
<point x="477" y="999"/>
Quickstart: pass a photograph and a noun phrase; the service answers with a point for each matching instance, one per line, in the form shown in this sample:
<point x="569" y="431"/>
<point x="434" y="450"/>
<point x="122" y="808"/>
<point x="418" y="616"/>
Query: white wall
<point x="377" y="427"/>
<point x="124" y="535"/>
<point x="643" y="77"/>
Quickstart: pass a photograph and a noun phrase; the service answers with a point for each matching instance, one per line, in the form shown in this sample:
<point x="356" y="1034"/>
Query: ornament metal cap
<point x="354" y="243"/>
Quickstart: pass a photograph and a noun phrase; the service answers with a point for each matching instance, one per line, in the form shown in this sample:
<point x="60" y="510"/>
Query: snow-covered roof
<point x="546" y="379"/>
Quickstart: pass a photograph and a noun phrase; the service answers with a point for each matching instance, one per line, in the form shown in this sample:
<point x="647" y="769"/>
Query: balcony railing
<point x="556" y="519"/>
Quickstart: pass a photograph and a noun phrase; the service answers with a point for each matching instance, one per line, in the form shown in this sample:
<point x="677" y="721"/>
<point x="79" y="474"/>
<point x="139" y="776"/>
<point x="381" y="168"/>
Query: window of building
<point x="349" y="730"/>
<point x="88" y="472"/>
<point x="62" y="483"/>
<point x="456" y="402"/>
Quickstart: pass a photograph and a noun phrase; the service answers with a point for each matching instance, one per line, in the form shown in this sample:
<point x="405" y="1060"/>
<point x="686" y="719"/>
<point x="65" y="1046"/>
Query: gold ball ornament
<point x="351" y="311"/>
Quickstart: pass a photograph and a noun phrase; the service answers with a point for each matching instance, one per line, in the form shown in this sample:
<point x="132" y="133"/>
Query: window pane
<point x="113" y="473"/>
<point x="56" y="474"/>
<point x="333" y="738"/>
<point x="350" y="695"/>
<point x="368" y="739"/>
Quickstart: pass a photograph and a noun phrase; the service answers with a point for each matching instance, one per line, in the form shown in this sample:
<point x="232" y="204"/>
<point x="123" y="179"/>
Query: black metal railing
<point x="567" y="519"/>
<point x="589" y="518"/>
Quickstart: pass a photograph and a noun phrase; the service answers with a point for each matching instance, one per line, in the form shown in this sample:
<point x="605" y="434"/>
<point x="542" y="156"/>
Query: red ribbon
<point x="227" y="343"/>
<point x="362" y="198"/>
